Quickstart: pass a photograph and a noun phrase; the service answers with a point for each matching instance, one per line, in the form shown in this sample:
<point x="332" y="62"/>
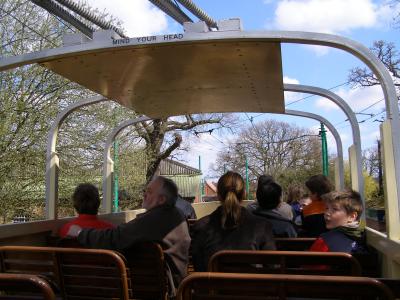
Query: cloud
<point x="357" y="98"/>
<point x="387" y="12"/>
<point x="291" y="96"/>
<point x="139" y="17"/>
<point x="328" y="16"/>
<point x="287" y="79"/>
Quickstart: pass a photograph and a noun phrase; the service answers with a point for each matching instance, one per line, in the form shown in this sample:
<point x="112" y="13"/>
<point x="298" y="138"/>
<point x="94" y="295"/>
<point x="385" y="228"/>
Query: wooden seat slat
<point x="209" y="286"/>
<point x="285" y="262"/>
<point x="102" y="272"/>
<point x="87" y="270"/>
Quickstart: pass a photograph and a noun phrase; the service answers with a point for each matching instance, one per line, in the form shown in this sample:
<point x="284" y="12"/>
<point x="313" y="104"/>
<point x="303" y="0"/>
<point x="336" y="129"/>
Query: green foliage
<point x="371" y="190"/>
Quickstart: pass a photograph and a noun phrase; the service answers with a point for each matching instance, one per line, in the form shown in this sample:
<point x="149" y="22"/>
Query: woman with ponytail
<point x="230" y="226"/>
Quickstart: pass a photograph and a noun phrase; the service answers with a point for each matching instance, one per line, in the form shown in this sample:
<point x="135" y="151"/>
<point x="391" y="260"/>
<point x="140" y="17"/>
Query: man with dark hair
<point x="162" y="223"/>
<point x="284" y="208"/>
<point x="86" y="202"/>
<point x="269" y="198"/>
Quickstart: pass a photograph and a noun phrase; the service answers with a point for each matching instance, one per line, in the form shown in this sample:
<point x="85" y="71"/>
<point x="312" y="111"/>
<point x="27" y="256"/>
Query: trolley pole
<point x="116" y="183"/>
<point x="247" y="179"/>
<point x="325" y="165"/>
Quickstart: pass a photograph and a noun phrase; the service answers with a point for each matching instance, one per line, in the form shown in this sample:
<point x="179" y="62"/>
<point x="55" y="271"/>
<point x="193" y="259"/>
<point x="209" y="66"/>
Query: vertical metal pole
<point x="325" y="166"/>
<point x="247" y="179"/>
<point x="116" y="170"/>
<point x="380" y="173"/>
<point x="201" y="182"/>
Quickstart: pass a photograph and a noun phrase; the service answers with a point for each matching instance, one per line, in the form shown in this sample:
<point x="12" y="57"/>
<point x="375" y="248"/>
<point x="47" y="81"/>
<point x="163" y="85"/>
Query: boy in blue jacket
<point x="342" y="217"/>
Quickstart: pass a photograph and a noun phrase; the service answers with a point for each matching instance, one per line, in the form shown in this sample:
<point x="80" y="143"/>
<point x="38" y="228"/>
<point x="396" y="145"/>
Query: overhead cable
<point x="57" y="10"/>
<point x="85" y="13"/>
<point x="190" y="6"/>
<point x="172" y="10"/>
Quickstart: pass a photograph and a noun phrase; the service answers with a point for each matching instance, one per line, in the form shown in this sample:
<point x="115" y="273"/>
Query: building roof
<point x="172" y="167"/>
<point x="211" y="185"/>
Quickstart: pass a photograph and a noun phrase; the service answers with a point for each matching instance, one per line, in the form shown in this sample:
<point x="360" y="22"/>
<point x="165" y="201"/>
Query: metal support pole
<point x="116" y="183"/>
<point x="201" y="183"/>
<point x="247" y="179"/>
<point x="325" y="165"/>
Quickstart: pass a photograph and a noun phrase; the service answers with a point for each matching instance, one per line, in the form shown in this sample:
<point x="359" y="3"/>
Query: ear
<point x="352" y="217"/>
<point x="162" y="199"/>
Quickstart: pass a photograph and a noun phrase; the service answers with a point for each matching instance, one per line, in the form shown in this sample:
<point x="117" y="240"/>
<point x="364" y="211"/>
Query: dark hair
<point x="230" y="189"/>
<point x="169" y="189"/>
<point x="319" y="184"/>
<point x="86" y="199"/>
<point x="264" y="179"/>
<point x="349" y="200"/>
<point x="269" y="195"/>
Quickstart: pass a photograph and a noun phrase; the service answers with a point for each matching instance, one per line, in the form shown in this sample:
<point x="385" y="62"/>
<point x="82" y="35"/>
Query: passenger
<point x="262" y="179"/>
<point x="162" y="223"/>
<point x="269" y="198"/>
<point x="342" y="218"/>
<point x="230" y="226"/>
<point x="186" y="208"/>
<point x="313" y="214"/>
<point x="302" y="203"/>
<point x="86" y="202"/>
<point x="294" y="194"/>
<point x="284" y="208"/>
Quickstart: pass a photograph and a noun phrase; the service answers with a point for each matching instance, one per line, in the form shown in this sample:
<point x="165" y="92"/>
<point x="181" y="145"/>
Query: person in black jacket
<point x="230" y="226"/>
<point x="269" y="198"/>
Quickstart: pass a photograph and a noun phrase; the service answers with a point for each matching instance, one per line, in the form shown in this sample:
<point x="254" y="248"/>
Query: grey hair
<point x="169" y="189"/>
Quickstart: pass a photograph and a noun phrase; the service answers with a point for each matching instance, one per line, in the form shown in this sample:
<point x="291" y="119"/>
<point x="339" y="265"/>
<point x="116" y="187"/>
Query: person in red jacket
<point x="342" y="217"/>
<point x="86" y="202"/>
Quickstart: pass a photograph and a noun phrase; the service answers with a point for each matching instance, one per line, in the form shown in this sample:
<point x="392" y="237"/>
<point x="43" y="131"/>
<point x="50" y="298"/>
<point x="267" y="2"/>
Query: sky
<point x="362" y="20"/>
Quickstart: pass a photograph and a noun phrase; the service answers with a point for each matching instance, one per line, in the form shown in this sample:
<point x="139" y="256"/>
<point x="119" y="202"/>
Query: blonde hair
<point x="230" y="192"/>
<point x="349" y="200"/>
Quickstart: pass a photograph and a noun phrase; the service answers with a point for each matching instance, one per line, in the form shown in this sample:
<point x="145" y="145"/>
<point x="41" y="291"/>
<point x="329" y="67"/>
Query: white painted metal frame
<point x="52" y="161"/>
<point x="339" y="173"/>
<point x="356" y="170"/>
<point x="350" y="46"/>
<point x="108" y="163"/>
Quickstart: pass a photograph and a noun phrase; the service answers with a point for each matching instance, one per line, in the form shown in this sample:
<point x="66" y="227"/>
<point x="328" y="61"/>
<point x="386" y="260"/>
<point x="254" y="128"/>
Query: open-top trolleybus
<point x="202" y="71"/>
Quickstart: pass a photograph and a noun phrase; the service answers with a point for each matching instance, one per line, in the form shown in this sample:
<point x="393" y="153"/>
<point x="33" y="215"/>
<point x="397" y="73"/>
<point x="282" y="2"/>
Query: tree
<point x="31" y="96"/>
<point x="289" y="153"/>
<point x="162" y="137"/>
<point x="389" y="56"/>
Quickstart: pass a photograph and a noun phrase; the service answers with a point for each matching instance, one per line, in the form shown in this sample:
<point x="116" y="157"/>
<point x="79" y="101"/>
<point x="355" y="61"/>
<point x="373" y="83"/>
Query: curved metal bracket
<point x="339" y="148"/>
<point x="52" y="161"/>
<point x="353" y="122"/>
<point x="108" y="163"/>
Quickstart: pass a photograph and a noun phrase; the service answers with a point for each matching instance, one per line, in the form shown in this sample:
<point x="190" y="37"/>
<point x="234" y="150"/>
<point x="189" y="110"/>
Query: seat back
<point x="93" y="274"/>
<point x="31" y="260"/>
<point x="294" y="244"/>
<point x="74" y="273"/>
<point x="284" y="262"/>
<point x="23" y="286"/>
<point x="393" y="284"/>
<point x="278" y="286"/>
<point x="147" y="266"/>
